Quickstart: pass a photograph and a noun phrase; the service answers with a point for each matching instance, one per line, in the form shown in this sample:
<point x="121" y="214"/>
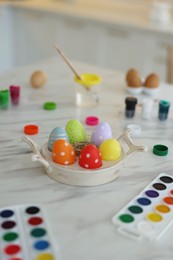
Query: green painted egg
<point x="75" y="131"/>
<point x="110" y="150"/>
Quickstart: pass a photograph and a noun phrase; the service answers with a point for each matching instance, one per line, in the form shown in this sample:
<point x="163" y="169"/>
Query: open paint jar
<point x="87" y="90"/>
<point x="4" y="99"/>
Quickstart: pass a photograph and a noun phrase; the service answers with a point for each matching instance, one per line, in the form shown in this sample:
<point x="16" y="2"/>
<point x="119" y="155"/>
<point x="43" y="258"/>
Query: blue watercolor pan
<point x="25" y="234"/>
<point x="149" y="214"/>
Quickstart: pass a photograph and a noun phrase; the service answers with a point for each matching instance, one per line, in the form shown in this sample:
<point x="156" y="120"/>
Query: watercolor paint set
<point x="150" y="213"/>
<point x="25" y="234"/>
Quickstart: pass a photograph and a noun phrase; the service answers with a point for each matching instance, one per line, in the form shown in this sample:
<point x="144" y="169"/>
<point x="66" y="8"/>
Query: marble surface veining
<point x="81" y="217"/>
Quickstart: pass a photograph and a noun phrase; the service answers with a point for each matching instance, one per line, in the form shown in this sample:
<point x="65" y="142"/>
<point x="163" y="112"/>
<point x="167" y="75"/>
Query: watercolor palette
<point x="150" y="213"/>
<point x="25" y="234"/>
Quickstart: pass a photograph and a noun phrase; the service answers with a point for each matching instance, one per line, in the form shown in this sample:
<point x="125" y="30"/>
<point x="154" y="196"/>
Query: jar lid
<point x="31" y="129"/>
<point x="135" y="129"/>
<point x="92" y="120"/>
<point x="49" y="106"/>
<point x="160" y="150"/>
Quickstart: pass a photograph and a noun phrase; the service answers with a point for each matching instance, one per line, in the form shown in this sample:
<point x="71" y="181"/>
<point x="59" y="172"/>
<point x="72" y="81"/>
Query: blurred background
<point x="115" y="34"/>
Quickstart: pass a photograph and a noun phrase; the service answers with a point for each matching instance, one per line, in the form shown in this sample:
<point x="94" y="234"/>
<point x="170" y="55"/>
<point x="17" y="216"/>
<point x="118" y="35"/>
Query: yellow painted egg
<point x="75" y="131"/>
<point x="38" y="79"/>
<point x="110" y="150"/>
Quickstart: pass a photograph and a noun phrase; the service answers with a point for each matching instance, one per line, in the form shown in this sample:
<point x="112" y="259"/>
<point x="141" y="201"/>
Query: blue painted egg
<point x="56" y="134"/>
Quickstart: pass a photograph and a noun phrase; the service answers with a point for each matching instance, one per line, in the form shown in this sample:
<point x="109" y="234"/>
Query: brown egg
<point x="152" y="81"/>
<point x="135" y="82"/>
<point x="38" y="79"/>
<point x="133" y="78"/>
<point x="132" y="73"/>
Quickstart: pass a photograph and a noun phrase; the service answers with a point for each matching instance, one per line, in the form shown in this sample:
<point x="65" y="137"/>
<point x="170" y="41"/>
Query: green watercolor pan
<point x="149" y="214"/>
<point x="25" y="234"/>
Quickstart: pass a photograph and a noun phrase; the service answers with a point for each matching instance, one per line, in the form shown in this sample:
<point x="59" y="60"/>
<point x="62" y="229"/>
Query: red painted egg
<point x="90" y="157"/>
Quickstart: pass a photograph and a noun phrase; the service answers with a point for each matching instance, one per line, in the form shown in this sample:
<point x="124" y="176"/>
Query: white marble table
<point x="81" y="217"/>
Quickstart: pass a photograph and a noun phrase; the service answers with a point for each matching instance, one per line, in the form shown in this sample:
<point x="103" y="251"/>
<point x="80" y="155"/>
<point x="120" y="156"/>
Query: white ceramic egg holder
<point x="76" y="175"/>
<point x="151" y="92"/>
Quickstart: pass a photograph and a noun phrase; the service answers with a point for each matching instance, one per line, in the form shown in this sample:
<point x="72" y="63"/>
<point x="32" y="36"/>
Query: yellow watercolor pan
<point x="149" y="214"/>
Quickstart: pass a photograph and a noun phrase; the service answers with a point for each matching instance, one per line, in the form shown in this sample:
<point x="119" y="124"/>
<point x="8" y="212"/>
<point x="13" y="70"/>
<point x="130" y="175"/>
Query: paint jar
<point x="15" y="94"/>
<point x="130" y="106"/>
<point x="87" y="90"/>
<point x="147" y="106"/>
<point x="4" y="99"/>
<point x="163" y="109"/>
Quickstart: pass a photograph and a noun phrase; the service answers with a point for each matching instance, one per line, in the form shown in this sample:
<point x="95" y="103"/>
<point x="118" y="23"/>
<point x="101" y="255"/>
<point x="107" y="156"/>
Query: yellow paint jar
<point x="87" y="90"/>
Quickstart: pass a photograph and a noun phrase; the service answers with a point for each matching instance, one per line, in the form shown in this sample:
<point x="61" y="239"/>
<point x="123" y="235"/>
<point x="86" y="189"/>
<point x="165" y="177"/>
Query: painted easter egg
<point x="101" y="132"/>
<point x="90" y="157"/>
<point x="110" y="150"/>
<point x="75" y="131"/>
<point x="63" y="152"/>
<point x="56" y="134"/>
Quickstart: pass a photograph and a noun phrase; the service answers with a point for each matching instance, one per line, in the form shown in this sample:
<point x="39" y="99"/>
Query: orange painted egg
<point x="63" y="152"/>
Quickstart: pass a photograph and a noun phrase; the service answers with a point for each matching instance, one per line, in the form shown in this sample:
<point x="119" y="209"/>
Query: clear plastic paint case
<point x="149" y="214"/>
<point x="25" y="234"/>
